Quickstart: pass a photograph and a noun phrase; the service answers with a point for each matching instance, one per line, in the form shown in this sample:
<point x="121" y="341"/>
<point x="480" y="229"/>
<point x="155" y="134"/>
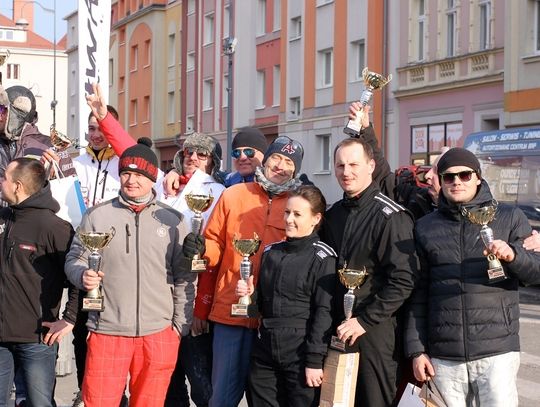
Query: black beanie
<point x="250" y="137"/>
<point x="459" y="157"/>
<point x="289" y="148"/>
<point x="140" y="158"/>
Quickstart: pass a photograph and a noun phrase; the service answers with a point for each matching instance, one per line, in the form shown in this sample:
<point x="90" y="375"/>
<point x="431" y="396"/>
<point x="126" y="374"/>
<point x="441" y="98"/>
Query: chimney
<point x="24" y="9"/>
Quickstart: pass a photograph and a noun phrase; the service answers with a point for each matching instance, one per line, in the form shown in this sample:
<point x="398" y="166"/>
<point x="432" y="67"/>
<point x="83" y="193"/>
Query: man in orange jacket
<point x="243" y="209"/>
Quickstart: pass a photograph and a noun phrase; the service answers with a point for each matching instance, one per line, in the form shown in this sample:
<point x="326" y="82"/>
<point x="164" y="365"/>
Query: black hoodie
<point x="33" y="245"/>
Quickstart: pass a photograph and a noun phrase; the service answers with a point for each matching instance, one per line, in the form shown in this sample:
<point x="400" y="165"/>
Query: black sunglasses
<point x="201" y="154"/>
<point x="464" y="176"/>
<point x="248" y="152"/>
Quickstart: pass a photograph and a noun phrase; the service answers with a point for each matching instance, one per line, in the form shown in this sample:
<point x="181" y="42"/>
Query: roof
<point x="33" y="40"/>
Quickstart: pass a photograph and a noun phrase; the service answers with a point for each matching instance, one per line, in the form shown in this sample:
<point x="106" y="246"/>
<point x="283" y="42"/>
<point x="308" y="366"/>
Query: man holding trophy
<point x="372" y="235"/>
<point x="147" y="296"/>
<point x="463" y="321"/>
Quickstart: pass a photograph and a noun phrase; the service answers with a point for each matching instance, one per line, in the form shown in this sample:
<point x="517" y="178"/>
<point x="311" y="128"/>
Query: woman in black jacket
<point x="294" y="296"/>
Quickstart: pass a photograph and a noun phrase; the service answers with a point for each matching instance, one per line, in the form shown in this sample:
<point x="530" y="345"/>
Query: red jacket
<point x="242" y="209"/>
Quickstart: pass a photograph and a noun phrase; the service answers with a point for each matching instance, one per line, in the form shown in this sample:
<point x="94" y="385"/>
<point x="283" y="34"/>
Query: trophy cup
<point x="198" y="203"/>
<point x="247" y="248"/>
<point x="482" y="216"/>
<point x="372" y="81"/>
<point x="94" y="242"/>
<point x="351" y="279"/>
<point x="60" y="141"/>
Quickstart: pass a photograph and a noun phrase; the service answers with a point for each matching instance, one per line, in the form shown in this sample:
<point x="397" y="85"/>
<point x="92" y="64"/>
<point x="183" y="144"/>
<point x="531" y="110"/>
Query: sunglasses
<point x="201" y="154"/>
<point x="464" y="176"/>
<point x="248" y="152"/>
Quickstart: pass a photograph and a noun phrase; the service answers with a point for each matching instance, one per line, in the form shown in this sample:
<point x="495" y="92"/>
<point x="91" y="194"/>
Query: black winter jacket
<point x="372" y="230"/>
<point x="33" y="247"/>
<point x="294" y="296"/>
<point x="454" y="312"/>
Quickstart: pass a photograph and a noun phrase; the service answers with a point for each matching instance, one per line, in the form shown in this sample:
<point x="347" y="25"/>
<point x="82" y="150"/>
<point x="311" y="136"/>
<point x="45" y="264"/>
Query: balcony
<point x="450" y="73"/>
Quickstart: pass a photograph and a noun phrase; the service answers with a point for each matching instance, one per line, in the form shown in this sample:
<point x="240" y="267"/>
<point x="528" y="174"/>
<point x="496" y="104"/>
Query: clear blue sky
<point x="43" y="21"/>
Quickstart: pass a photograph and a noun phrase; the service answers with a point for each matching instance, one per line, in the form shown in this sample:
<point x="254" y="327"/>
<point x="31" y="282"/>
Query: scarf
<point x="275" y="189"/>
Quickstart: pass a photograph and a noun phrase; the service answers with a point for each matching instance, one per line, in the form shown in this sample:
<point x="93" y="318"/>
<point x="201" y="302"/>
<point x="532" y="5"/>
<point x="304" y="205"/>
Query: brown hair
<point x="31" y="173"/>
<point x="314" y="196"/>
<point x="368" y="150"/>
<point x="110" y="109"/>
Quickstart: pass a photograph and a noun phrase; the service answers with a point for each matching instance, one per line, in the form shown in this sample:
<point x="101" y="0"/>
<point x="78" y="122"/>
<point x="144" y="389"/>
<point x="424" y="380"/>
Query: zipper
<point x="104" y="182"/>
<point x="97" y="181"/>
<point x="463" y="293"/>
<point x="128" y="235"/>
<point x="137" y="328"/>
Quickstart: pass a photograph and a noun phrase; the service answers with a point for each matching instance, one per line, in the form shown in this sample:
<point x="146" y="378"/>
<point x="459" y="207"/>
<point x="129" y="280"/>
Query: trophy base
<point x="496" y="275"/>
<point x="92" y="304"/>
<point x="336" y="344"/>
<point x="198" y="266"/>
<point x="352" y="129"/>
<point x="239" y="310"/>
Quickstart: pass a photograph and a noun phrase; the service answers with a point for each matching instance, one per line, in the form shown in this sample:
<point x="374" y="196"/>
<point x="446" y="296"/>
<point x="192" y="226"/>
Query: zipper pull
<point x="128" y="235"/>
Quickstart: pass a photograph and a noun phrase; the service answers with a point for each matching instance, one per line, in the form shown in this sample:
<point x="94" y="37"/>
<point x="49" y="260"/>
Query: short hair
<point x="368" y="150"/>
<point x="110" y="109"/>
<point x="30" y="173"/>
<point x="313" y="196"/>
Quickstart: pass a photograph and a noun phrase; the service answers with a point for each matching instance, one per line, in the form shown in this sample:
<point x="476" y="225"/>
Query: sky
<point x="43" y="21"/>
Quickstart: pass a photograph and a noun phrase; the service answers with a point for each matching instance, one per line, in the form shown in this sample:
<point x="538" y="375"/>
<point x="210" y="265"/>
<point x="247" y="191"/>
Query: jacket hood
<point x="483" y="197"/>
<point x="42" y="199"/>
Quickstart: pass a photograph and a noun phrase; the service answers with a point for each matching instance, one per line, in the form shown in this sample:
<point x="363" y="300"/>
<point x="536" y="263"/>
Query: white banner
<point x="94" y="33"/>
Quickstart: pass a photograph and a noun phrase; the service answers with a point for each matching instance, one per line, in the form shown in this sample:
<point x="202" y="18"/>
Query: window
<point x="260" y="95"/>
<point x="190" y="61"/>
<point x="226" y="20"/>
<point x="451" y="29"/>
<point x="12" y="71"/>
<point x="133" y="58"/>
<point x="133" y="112"/>
<point x="296" y="28"/>
<point x="326" y="64"/>
<point x="171" y="50"/>
<point x="208" y="94"/>
<point x="294" y="107"/>
<point x="9" y="35"/>
<point x="485" y="24"/>
<point x="190" y="124"/>
<point x="323" y="141"/>
<point x="260" y="26"/>
<point x="146" y="109"/>
<point x="276" y="81"/>
<point x="170" y="108"/>
<point x="359" y="55"/>
<point x="147" y="53"/>
<point x="277" y="15"/>
<point x="537" y="25"/>
<point x="111" y="72"/>
<point x="190" y="7"/>
<point x="121" y="84"/>
<point x="208" y="29"/>
<point x="421" y="30"/>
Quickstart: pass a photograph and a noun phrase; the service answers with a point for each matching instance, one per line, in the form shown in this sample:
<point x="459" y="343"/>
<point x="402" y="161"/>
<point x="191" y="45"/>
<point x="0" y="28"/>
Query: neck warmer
<point x="275" y="189"/>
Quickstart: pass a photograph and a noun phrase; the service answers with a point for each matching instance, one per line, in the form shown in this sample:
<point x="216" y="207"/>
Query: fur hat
<point x="140" y="158"/>
<point x="21" y="105"/>
<point x="206" y="144"/>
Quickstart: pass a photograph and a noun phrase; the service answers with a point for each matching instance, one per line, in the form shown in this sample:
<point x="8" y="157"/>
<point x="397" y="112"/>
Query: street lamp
<point x="229" y="46"/>
<point x="22" y="22"/>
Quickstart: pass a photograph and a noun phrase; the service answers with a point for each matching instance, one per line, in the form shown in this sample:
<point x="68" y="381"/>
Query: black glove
<point x="193" y="244"/>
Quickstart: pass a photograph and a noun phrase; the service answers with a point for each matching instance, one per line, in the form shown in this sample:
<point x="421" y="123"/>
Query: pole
<point x="54" y="102"/>
<point x="230" y="92"/>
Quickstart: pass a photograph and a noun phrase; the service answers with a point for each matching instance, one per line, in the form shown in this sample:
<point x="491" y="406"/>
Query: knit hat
<point x="459" y="157"/>
<point x="140" y="158"/>
<point x="21" y="105"/>
<point x="206" y="144"/>
<point x="287" y="147"/>
<point x="250" y="137"/>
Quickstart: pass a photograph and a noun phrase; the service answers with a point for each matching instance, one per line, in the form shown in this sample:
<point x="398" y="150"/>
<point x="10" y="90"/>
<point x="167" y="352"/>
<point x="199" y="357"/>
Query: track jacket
<point x="33" y="246"/>
<point x="144" y="288"/>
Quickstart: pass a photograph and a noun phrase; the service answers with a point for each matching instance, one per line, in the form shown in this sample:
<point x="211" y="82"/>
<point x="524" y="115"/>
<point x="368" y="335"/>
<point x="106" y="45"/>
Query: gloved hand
<point x="193" y="244"/>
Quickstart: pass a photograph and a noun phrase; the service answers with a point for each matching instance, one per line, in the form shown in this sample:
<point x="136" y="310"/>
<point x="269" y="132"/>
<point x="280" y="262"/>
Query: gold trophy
<point x="198" y="203"/>
<point x="60" y="141"/>
<point x="482" y="216"/>
<point x="372" y="81"/>
<point x="247" y="248"/>
<point x="94" y="242"/>
<point x="351" y="279"/>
